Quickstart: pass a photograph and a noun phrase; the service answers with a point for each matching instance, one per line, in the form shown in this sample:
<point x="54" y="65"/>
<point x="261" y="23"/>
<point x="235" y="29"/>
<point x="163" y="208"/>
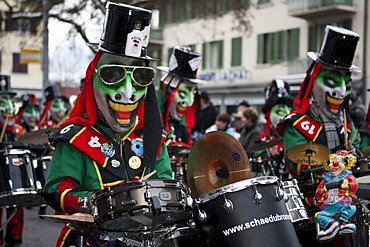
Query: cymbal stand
<point x="83" y="232"/>
<point x="309" y="154"/>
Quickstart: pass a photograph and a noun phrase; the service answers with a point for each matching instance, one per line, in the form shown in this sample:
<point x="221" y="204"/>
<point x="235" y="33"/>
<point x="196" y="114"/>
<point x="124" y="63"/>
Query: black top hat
<point x="338" y="49"/>
<point x="126" y="31"/>
<point x="52" y="92"/>
<point x="184" y="63"/>
<point x="5" y="87"/>
<point x="277" y="93"/>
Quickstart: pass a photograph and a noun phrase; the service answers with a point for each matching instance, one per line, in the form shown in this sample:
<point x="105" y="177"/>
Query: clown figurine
<point x="177" y="94"/>
<point x="114" y="134"/>
<point x="335" y="195"/>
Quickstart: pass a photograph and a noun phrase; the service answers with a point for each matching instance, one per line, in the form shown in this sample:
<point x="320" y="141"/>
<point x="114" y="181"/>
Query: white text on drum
<point x="256" y="222"/>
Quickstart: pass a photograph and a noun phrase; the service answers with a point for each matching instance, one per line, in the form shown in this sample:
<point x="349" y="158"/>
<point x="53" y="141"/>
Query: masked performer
<point x="11" y="131"/>
<point x="55" y="110"/>
<point x="277" y="105"/>
<point x="177" y="95"/>
<point x="114" y="134"/>
<point x="320" y="117"/>
<point x="29" y="113"/>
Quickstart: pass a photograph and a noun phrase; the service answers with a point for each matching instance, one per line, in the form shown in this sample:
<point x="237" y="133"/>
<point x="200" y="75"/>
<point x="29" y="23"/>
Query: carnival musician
<point x="177" y="94"/>
<point x="321" y="117"/>
<point x="114" y="134"/>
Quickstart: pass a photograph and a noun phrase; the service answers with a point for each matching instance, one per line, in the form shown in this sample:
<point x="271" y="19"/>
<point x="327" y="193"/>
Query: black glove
<point x="334" y="184"/>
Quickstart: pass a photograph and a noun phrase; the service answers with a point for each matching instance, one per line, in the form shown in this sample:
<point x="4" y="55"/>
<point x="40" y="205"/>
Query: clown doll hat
<point x="184" y="64"/>
<point x="337" y="51"/>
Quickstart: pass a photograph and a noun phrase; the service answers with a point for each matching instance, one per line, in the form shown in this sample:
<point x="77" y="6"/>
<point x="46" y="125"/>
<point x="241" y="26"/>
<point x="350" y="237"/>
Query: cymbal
<point x="38" y="136"/>
<point x="77" y="220"/>
<point x="215" y="160"/>
<point x="315" y="153"/>
<point x="174" y="149"/>
<point x="264" y="145"/>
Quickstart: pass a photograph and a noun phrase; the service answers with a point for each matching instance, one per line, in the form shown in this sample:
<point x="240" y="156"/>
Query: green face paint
<point x="330" y="89"/>
<point x="184" y="98"/>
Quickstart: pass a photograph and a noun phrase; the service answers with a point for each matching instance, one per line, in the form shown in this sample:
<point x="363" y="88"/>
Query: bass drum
<point x="249" y="213"/>
<point x="141" y="206"/>
<point x="18" y="180"/>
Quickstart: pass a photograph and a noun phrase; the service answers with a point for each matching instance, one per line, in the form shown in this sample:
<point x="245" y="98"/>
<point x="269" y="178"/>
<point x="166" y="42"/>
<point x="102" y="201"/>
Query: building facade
<point x="20" y="48"/>
<point x="246" y="44"/>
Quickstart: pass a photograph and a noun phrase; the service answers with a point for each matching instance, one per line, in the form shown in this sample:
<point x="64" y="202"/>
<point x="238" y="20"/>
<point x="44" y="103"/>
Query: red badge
<point x="308" y="127"/>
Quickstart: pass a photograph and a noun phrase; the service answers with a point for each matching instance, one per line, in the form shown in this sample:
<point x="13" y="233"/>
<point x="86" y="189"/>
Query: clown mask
<point x="278" y="112"/>
<point x="120" y="86"/>
<point x="7" y="109"/>
<point x="183" y="99"/>
<point x="31" y="115"/>
<point x="58" y="109"/>
<point x="330" y="89"/>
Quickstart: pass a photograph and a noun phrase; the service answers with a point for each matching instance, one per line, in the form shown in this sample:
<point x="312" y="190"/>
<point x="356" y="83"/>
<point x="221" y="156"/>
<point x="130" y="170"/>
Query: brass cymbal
<point x="264" y="145"/>
<point x="312" y="153"/>
<point x="38" y="136"/>
<point x="174" y="149"/>
<point x="215" y="160"/>
<point x="77" y="220"/>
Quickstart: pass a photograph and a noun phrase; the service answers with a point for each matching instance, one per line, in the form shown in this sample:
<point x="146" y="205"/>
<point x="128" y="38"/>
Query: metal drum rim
<point x="237" y="186"/>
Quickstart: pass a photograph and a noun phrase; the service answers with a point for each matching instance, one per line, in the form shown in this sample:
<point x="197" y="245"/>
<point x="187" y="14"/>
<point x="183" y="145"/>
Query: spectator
<point x="250" y="131"/>
<point x="222" y="123"/>
<point x="207" y="115"/>
<point x="357" y="109"/>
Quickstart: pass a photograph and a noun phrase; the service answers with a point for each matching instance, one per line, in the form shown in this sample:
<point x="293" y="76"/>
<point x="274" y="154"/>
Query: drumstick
<point x="345" y="129"/>
<point x="147" y="176"/>
<point x="353" y="138"/>
<point x="4" y="127"/>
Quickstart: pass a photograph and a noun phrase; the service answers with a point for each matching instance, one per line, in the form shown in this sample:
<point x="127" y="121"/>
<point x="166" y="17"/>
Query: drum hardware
<point x="264" y="145"/>
<point x="38" y="136"/>
<point x="311" y="154"/>
<point x="215" y="160"/>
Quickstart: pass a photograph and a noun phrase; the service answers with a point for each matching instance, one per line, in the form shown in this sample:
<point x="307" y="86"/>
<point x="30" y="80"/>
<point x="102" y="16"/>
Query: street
<point x="40" y="232"/>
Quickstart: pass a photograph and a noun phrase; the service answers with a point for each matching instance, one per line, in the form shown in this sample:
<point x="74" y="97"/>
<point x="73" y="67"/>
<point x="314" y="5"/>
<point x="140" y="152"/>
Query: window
<point x="17" y="66"/>
<point x="213" y="54"/>
<point x="278" y="47"/>
<point x="236" y="51"/>
<point x="263" y="2"/>
<point x="21" y="25"/>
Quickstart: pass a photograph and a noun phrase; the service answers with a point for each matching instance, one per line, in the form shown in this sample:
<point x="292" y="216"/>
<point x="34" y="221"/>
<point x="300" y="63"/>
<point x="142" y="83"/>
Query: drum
<point x="141" y="205"/>
<point x="183" y="236"/>
<point x="362" y="167"/>
<point x="18" y="181"/>
<point x="261" y="167"/>
<point x="42" y="171"/>
<point x="251" y="210"/>
<point x="296" y="209"/>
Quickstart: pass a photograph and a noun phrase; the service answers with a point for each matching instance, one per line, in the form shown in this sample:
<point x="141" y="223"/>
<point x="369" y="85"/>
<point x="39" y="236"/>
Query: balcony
<point x="312" y="9"/>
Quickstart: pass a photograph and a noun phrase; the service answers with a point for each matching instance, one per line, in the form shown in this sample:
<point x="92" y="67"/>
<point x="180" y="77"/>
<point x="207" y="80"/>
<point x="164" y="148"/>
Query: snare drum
<point x="249" y="213"/>
<point x="18" y="181"/>
<point x="42" y="170"/>
<point x="294" y="204"/>
<point x="141" y="205"/>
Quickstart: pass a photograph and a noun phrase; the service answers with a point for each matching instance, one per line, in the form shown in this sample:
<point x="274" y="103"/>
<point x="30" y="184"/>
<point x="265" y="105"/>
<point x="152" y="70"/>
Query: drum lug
<point x="280" y="194"/>
<point x="112" y="202"/>
<point x="94" y="211"/>
<point x="257" y="197"/>
<point x="228" y="205"/>
<point x="202" y="216"/>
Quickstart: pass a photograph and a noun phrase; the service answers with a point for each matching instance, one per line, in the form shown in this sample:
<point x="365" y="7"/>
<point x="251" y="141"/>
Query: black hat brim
<point x="313" y="56"/>
<point x="96" y="48"/>
<point x="192" y="80"/>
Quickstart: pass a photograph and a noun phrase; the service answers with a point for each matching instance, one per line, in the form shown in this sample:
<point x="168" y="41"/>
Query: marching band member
<point x="320" y="116"/>
<point x="177" y="94"/>
<point x="114" y="134"/>
<point x="10" y="131"/>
